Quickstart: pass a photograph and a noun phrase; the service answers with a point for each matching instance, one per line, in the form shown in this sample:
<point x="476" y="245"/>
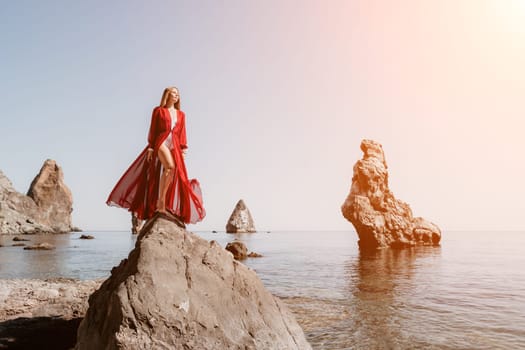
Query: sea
<point x="468" y="293"/>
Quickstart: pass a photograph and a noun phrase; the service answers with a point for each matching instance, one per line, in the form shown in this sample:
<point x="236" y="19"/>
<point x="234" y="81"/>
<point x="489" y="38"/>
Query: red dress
<point x="138" y="189"/>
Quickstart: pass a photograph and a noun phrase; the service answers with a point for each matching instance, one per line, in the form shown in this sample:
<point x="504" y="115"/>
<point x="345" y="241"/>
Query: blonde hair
<point x="165" y="95"/>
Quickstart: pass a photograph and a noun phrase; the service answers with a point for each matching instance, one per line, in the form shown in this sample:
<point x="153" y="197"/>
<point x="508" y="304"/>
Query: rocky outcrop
<point x="52" y="197"/>
<point x="178" y="291"/>
<point x="17" y="212"/>
<point x="46" y="208"/>
<point x="379" y="218"/>
<point x="240" y="220"/>
<point x="238" y="250"/>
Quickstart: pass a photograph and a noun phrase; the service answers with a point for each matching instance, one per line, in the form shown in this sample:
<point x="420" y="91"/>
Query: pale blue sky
<point x="278" y="95"/>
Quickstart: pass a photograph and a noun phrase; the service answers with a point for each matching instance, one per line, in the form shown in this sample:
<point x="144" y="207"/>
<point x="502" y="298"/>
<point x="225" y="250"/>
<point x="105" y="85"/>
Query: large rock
<point x="46" y="208"/>
<point x="379" y="218"/>
<point x="240" y="220"/>
<point x="53" y="197"/>
<point x="178" y="291"/>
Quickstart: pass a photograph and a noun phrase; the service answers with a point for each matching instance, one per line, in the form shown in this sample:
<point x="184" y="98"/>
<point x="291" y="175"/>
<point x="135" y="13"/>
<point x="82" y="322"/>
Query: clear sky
<point x="278" y="96"/>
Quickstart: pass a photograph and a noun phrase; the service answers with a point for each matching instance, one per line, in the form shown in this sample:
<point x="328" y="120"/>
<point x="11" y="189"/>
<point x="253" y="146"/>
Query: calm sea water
<point x="467" y="294"/>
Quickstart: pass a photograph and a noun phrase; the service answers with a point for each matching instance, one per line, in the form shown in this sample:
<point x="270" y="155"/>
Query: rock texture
<point x="379" y="218"/>
<point x="238" y="250"/>
<point x="179" y="291"/>
<point x="46" y="208"/>
<point x="240" y="220"/>
<point x="54" y="297"/>
<point x="42" y="314"/>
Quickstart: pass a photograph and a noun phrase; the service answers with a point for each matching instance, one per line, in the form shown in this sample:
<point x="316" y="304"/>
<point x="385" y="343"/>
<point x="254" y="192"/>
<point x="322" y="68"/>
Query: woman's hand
<point x="183" y="153"/>
<point x="149" y="154"/>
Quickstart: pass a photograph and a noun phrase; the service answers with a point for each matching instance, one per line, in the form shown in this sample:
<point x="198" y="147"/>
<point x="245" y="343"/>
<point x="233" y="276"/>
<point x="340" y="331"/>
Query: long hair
<point x="165" y="94"/>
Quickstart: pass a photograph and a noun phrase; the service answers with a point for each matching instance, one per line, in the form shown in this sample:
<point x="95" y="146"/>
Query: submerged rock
<point x="45" y="209"/>
<point x="178" y="291"/>
<point x="379" y="218"/>
<point x="240" y="220"/>
<point x="40" y="246"/>
<point x="238" y="249"/>
<point x="86" y="237"/>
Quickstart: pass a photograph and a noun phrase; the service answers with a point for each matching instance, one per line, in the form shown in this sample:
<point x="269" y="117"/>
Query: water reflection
<point x="378" y="283"/>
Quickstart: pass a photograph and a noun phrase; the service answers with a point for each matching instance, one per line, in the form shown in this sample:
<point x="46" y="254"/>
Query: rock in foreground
<point x="52" y="297"/>
<point x="179" y="291"/>
<point x="240" y="220"/>
<point x="42" y="314"/>
<point x="379" y="218"/>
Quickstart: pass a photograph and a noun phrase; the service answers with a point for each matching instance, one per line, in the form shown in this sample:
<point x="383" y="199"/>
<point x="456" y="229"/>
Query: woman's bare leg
<point x="167" y="175"/>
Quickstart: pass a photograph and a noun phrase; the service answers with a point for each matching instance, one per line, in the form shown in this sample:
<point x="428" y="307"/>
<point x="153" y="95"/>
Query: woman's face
<point x="174" y="95"/>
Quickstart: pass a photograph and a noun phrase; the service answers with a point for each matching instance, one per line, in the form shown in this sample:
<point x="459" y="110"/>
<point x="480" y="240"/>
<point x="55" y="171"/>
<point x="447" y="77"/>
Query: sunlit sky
<point x="278" y="96"/>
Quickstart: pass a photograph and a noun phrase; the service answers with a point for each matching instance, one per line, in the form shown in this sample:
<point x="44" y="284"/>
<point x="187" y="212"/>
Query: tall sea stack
<point x="379" y="218"/>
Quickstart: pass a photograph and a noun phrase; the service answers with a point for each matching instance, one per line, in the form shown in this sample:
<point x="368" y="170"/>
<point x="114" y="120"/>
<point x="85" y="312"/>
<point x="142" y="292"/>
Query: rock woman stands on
<point x="157" y="180"/>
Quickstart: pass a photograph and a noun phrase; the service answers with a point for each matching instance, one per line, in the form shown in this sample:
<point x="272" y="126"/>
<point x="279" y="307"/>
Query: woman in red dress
<point x="157" y="180"/>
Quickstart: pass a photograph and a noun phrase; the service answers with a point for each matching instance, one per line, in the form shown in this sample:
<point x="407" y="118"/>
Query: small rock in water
<point x="238" y="249"/>
<point x="19" y="239"/>
<point x="18" y="244"/>
<point x="254" y="255"/>
<point x="41" y="246"/>
<point x="214" y="231"/>
<point x="87" y="237"/>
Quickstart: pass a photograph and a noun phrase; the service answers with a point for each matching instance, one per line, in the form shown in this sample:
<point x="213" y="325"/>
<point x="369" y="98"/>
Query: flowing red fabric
<point x="138" y="189"/>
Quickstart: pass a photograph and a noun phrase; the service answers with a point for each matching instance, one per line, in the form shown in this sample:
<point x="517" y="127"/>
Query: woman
<point x="157" y="180"/>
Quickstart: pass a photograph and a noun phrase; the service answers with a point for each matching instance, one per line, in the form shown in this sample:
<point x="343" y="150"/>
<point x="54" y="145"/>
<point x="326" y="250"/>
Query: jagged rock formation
<point x="17" y="212"/>
<point x="52" y="197"/>
<point x="379" y="218"/>
<point x="240" y="220"/>
<point x="179" y="291"/>
<point x="46" y="208"/>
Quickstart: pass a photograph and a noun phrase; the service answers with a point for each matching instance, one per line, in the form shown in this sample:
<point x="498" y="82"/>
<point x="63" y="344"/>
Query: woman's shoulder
<point x="159" y="110"/>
